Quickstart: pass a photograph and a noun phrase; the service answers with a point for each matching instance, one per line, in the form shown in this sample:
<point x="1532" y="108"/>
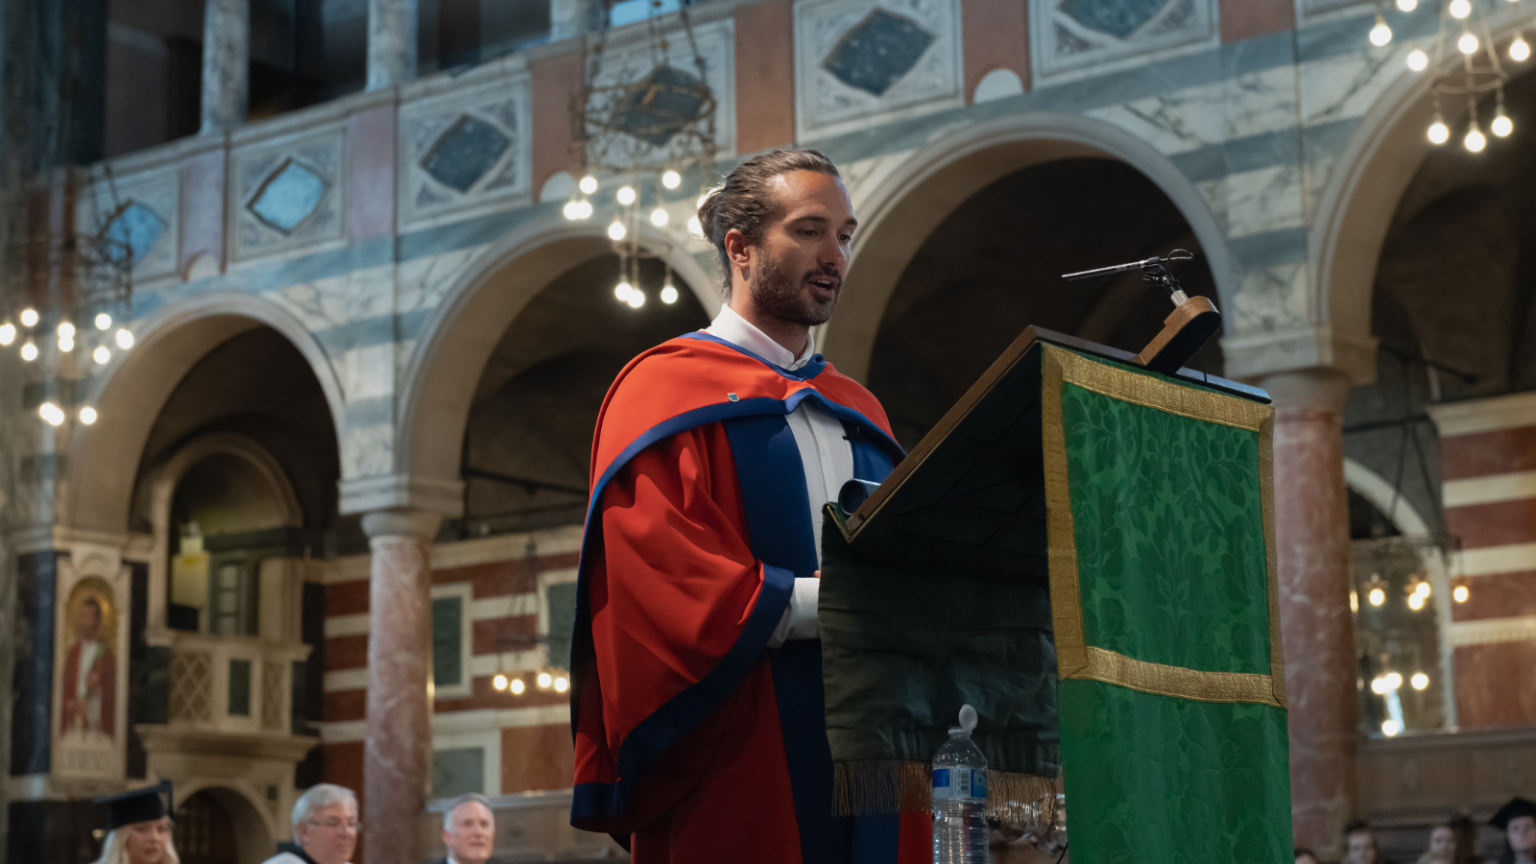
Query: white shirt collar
<point x="739" y="331"/>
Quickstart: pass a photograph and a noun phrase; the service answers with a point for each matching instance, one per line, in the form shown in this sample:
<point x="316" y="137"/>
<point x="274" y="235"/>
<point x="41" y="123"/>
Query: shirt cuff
<point x="799" y="620"/>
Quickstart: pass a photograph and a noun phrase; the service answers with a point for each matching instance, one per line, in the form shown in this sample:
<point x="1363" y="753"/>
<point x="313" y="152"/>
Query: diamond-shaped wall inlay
<point x="289" y="195"/>
<point x="134" y="231"/>
<point x="464" y="152"/>
<point x="1118" y="18"/>
<point x="878" y="51"/>
<point x="659" y="105"/>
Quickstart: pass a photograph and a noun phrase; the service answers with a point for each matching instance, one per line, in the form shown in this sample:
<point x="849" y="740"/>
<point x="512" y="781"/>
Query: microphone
<point x="1152" y="270"/>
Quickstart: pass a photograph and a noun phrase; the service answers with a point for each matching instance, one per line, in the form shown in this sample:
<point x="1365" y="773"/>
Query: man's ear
<point x="738" y="249"/>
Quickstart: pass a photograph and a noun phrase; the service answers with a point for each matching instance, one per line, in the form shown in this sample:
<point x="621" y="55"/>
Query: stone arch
<point x="128" y="396"/>
<point x="899" y="209"/>
<point x="440" y="379"/>
<point x="257" y="830"/>
<point x="1356" y="205"/>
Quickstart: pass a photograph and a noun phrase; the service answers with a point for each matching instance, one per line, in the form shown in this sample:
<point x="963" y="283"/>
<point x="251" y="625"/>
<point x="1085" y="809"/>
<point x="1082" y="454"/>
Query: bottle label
<point x="954" y="784"/>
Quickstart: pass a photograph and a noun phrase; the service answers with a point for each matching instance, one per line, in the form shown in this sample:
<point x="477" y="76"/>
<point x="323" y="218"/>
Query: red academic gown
<point x="694" y="740"/>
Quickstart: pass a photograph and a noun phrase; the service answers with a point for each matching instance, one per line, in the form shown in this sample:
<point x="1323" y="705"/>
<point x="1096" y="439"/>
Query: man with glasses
<point x="469" y="830"/>
<point x="325" y="827"/>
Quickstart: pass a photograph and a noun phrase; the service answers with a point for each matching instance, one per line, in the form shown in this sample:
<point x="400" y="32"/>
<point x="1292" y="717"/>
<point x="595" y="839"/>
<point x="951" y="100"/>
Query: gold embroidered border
<point x="1113" y="668"/>
<point x="1267" y="506"/>
<point x="1151" y="392"/>
<point x="1061" y="542"/>
<point x="1074" y="657"/>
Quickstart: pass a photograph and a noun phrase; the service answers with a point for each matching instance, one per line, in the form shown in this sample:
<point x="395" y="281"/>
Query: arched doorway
<point x="217" y="825"/>
<point x="994" y="265"/>
<point x="529" y="435"/>
<point x="437" y="395"/>
<point x="905" y="208"/>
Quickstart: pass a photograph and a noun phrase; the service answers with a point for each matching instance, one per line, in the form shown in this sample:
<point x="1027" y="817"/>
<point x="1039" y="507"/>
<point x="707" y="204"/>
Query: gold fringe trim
<point x="898" y="786"/>
<point x="1021" y="800"/>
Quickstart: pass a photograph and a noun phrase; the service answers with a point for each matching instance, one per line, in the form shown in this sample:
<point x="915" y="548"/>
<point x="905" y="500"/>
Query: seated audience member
<point x="1442" y="846"/>
<point x="1305" y="856"/>
<point x="324" y="827"/>
<point x="138" y="829"/>
<point x="1517" y="820"/>
<point x="469" y="830"/>
<point x="1361" y="844"/>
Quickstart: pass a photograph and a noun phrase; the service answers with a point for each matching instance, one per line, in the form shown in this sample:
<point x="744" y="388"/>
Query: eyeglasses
<point x="338" y="824"/>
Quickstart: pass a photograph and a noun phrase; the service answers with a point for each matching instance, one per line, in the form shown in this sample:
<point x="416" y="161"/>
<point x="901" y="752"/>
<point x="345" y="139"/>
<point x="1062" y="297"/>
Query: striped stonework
<point x="483" y="740"/>
<point x="1488" y="462"/>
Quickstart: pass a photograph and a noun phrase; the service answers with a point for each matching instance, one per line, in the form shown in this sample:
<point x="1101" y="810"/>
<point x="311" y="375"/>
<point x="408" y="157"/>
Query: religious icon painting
<point x="88" y="695"/>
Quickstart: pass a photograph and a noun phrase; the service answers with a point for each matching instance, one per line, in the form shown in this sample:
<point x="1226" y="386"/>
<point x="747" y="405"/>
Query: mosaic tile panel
<point x="287" y="194"/>
<point x="133" y="218"/>
<point x="666" y="94"/>
<point x="862" y="61"/>
<point x="1078" y="36"/>
<point x="464" y="149"/>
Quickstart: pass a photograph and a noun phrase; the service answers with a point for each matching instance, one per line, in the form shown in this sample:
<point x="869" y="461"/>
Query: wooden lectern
<point x="1083" y="550"/>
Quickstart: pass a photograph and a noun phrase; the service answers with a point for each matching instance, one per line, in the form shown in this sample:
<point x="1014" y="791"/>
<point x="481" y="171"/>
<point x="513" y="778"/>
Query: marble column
<point x="568" y="18"/>
<point x="226" y="63"/>
<point x="397" y="756"/>
<point x="391" y="42"/>
<point x="1312" y="534"/>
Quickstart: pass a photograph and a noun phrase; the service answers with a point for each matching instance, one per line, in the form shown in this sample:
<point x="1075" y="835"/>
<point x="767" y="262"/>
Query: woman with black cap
<point x="1517" y="820"/>
<point x="138" y="828"/>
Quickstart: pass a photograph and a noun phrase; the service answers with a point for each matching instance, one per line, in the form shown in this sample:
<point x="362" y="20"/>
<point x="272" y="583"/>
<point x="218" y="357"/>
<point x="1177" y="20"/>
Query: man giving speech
<point x="697" y="712"/>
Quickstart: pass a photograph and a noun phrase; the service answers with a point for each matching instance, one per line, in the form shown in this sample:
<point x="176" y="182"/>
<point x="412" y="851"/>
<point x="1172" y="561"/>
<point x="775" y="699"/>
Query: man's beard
<point x="778" y="294"/>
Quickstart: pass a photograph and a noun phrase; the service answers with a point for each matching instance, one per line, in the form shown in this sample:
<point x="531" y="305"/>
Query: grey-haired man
<point x="469" y="830"/>
<point x="325" y="827"/>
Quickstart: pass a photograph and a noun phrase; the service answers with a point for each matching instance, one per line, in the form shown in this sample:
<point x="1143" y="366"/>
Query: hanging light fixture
<point x="1477" y="71"/>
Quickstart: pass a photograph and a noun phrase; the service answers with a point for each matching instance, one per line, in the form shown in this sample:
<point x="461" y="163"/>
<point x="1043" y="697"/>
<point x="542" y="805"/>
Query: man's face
<point x="330" y="834"/>
<point x="1362" y="848"/>
<point x="800" y="261"/>
<point x="1522" y="835"/>
<point x="1305" y="858"/>
<point x="472" y="834"/>
<point x="1442" y="843"/>
<point x="89" y="622"/>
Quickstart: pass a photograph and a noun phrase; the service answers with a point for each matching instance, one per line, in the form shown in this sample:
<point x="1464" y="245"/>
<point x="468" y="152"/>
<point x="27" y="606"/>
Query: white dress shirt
<point x="825" y="454"/>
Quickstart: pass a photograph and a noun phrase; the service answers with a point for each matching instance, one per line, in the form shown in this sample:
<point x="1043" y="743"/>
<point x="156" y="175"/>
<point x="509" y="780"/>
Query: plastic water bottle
<point x="960" y="797"/>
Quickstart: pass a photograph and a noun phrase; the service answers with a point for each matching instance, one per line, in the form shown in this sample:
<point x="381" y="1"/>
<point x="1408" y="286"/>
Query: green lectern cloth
<point x="1084" y="551"/>
<point x="1167" y="630"/>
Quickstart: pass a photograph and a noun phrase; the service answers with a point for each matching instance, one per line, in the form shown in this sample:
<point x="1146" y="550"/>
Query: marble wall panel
<point x="286" y="194"/>
<point x="862" y="62"/>
<point x="466" y="149"/>
<point x="629" y="58"/>
<point x="1268" y="199"/>
<point x="1073" y="38"/>
<point x="133" y="219"/>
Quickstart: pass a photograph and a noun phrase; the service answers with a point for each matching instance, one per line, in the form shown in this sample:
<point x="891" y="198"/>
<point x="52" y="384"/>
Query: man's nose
<point x="834" y="256"/>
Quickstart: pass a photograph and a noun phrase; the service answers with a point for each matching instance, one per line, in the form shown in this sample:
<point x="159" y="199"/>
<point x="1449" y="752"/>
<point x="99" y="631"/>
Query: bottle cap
<point x="967" y="721"/>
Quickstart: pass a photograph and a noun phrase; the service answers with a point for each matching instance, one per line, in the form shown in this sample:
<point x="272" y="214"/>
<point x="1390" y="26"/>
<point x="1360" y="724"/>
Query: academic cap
<point x="140" y="805"/>
<point x="1516" y="808"/>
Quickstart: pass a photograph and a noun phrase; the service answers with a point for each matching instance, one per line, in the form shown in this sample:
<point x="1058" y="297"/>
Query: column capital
<point x="401" y="492"/>
<point x="1251" y="356"/>
<point x="401" y="523"/>
<point x="1321" y="388"/>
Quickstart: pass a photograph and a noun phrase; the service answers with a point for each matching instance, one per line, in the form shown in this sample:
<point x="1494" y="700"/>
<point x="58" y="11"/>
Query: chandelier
<point x="644" y="120"/>
<point x="81" y="277"/>
<point x="1477" y="71"/>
